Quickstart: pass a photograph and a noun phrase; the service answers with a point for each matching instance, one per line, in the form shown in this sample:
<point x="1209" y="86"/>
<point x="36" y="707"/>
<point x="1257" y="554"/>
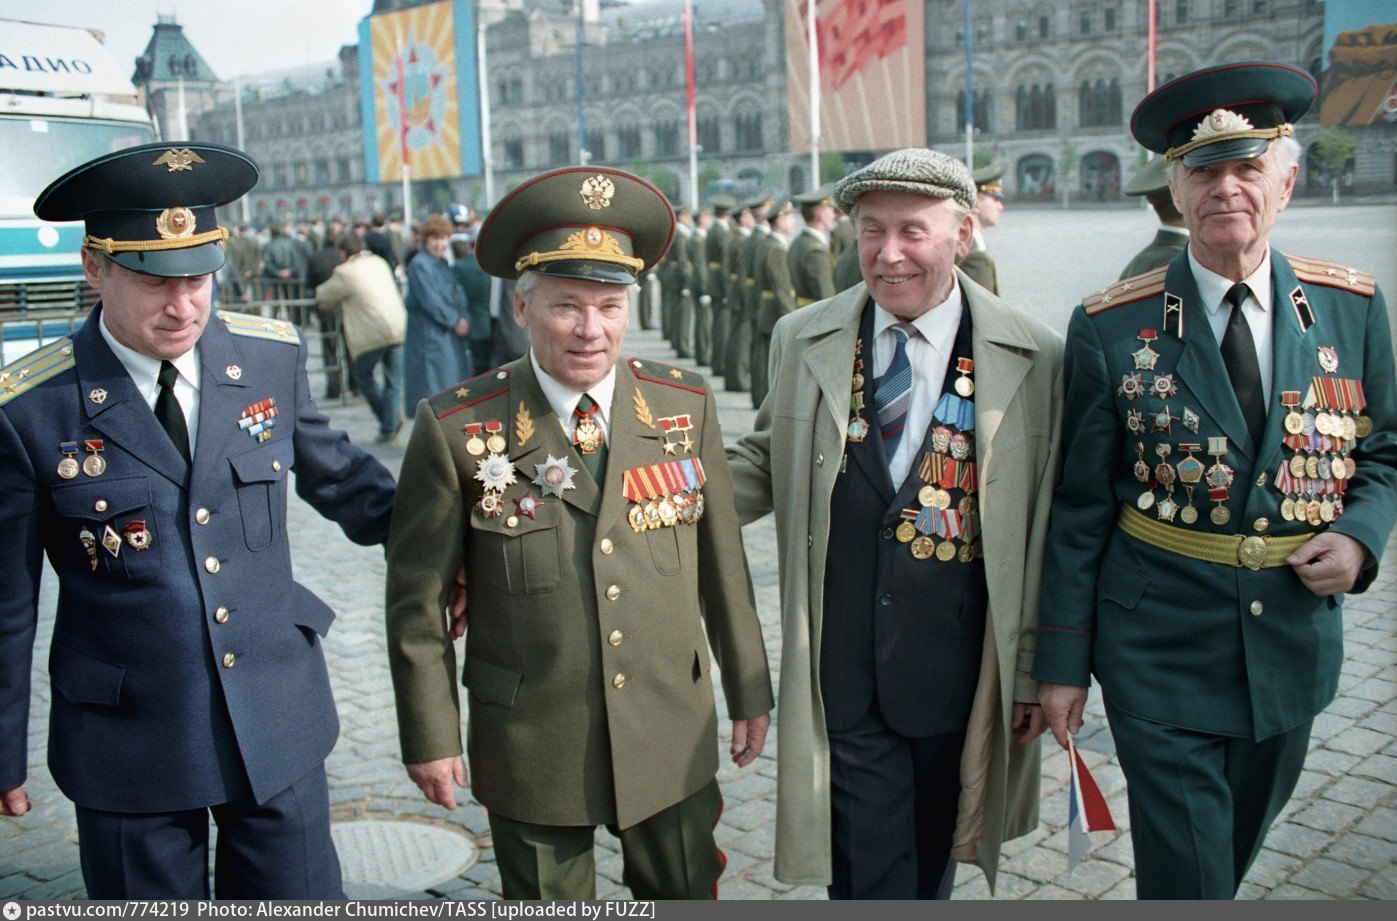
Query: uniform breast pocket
<point x="514" y="553"/>
<point x="259" y="476"/>
<point x="110" y="521"/>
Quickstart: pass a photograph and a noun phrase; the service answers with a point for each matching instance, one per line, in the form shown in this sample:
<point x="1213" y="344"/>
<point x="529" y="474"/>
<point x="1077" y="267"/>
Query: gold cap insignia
<point x="597" y="192"/>
<point x="1219" y="123"/>
<point x="175" y="223"/>
<point x="178" y="159"/>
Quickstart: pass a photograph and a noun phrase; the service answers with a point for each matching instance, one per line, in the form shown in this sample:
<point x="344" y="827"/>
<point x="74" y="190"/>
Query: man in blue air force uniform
<point x="1229" y="473"/>
<point x="149" y="456"/>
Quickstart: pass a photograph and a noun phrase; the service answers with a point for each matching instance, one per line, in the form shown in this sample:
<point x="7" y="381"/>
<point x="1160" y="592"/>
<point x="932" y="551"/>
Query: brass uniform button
<point x="1261" y="524"/>
<point x="221" y="615"/>
<point x="1256" y="608"/>
<point x="211" y="564"/>
<point x="512" y="521"/>
<point x="615" y="638"/>
<point x="607" y="546"/>
<point x="619" y="681"/>
<point x="613" y="593"/>
<point x="276" y="466"/>
<point x="229" y="659"/>
<point x="202" y="516"/>
<point x="100" y="505"/>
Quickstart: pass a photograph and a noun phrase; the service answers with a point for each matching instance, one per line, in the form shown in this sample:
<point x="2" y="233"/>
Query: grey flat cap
<point x="913" y="169"/>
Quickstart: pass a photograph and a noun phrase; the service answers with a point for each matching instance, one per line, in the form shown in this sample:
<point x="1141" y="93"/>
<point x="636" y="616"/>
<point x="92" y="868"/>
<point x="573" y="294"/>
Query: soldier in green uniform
<point x="989" y="204"/>
<point x="775" y="297"/>
<point x="810" y="256"/>
<point x="590" y="503"/>
<point x="842" y="236"/>
<point x="678" y="285"/>
<point x="702" y="327"/>
<point x="732" y="291"/>
<point x="714" y="281"/>
<point x="1229" y="474"/>
<point x="1172" y="236"/>
<point x="738" y="378"/>
<point x="846" y="269"/>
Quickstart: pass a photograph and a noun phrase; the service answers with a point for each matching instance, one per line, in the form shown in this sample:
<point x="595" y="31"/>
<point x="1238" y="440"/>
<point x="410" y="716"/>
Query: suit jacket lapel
<point x="122" y="415"/>
<point x="221" y="398"/>
<point x="1200" y="365"/>
<point x="547" y="439"/>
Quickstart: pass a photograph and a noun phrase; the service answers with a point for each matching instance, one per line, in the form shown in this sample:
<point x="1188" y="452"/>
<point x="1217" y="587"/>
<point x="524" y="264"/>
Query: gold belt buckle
<point x="1252" y="552"/>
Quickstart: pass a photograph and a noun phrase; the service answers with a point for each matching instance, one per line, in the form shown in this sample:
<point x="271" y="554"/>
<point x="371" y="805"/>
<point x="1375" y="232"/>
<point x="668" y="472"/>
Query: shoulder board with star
<point x="657" y="373"/>
<point x="255" y="327"/>
<point x="1126" y="291"/>
<point x="33" y="369"/>
<point x="468" y="393"/>
<point x="1332" y="274"/>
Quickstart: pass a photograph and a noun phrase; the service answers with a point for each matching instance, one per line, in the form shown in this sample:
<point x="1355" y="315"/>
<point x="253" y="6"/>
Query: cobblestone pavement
<point x="1336" y="839"/>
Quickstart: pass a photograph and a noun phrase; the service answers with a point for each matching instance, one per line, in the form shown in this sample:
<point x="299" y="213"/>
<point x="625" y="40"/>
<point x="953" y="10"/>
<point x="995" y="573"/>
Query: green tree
<point x="1067" y="170"/>
<point x="1332" y="154"/>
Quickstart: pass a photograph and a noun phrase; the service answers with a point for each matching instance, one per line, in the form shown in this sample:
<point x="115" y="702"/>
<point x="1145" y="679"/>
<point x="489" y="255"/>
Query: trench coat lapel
<point x="122" y="414"/>
<point x="1003" y="352"/>
<point x="547" y="438"/>
<point x="830" y="355"/>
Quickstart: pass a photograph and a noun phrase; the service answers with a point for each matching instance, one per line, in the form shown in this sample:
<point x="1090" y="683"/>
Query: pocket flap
<point x="101" y="499"/>
<point x="1120" y="584"/>
<point x="310" y="611"/>
<point x="491" y="683"/>
<point x="85" y="679"/>
<point x="265" y="464"/>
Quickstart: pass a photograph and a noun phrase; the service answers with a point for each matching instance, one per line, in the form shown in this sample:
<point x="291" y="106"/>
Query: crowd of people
<point x="976" y="518"/>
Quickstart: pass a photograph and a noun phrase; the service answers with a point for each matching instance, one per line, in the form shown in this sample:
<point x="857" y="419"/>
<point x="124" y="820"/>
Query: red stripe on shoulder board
<point x="469" y="403"/>
<point x="667" y="381"/>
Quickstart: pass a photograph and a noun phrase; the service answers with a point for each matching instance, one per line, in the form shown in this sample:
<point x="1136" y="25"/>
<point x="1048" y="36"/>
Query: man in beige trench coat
<point x="906" y="715"/>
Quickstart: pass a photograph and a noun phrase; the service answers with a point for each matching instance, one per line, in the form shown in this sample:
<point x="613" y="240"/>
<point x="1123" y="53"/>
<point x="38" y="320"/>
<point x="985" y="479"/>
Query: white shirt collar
<point x="564" y="400"/>
<point x="938" y="325"/>
<point x="979" y="238"/>
<point x="745" y="231"/>
<point x="818" y="235"/>
<point x="144" y="370"/>
<point x="1212" y="286"/>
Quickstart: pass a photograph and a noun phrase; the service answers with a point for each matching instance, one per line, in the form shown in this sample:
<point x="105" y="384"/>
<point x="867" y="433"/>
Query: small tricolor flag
<point x="1086" y="809"/>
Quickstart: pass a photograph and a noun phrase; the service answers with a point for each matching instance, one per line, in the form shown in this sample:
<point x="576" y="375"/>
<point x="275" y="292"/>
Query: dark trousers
<point x="670" y="855"/>
<point x="893" y="801"/>
<point x="278" y="850"/>
<point x="1201" y="804"/>
<point x="387" y="400"/>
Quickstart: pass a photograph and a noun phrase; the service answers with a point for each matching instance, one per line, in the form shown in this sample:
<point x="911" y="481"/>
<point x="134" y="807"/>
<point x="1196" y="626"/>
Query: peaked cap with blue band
<point x="151" y="208"/>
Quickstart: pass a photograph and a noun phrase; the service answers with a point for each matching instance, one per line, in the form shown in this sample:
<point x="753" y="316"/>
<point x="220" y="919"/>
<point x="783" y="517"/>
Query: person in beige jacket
<point x="374" y="325"/>
<point x="907" y="718"/>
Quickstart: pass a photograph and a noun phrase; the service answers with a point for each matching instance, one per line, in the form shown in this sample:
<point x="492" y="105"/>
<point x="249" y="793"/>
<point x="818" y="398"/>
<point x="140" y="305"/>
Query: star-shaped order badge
<point x="553" y="475"/>
<point x="528" y="504"/>
<point x="495" y="472"/>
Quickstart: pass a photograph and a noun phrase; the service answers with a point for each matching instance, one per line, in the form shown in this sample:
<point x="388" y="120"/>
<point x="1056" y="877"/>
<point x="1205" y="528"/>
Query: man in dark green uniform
<point x="811" y="259"/>
<point x="775" y="297"/>
<point x="702" y="304"/>
<point x="1229" y="473"/>
<point x="732" y="291"/>
<point x="715" y="283"/>
<point x="738" y="378"/>
<point x="1172" y="236"/>
<point x="846" y="269"/>
<point x="989" y="204"/>
<point x="590" y="503"/>
<point x="842" y="236"/>
<point x="677" y="286"/>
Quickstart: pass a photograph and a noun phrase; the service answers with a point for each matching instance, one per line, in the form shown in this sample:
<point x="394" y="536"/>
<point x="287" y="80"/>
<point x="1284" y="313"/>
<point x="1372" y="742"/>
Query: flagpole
<point x="486" y="139"/>
<point x="812" y="29"/>
<point x="691" y="103"/>
<point x="402" y="132"/>
<point x="1153" y="46"/>
<point x="969" y="93"/>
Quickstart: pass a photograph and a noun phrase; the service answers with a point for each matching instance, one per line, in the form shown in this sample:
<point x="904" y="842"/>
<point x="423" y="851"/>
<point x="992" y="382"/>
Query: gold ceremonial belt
<point x="715" y="265"/>
<point x="1253" y="551"/>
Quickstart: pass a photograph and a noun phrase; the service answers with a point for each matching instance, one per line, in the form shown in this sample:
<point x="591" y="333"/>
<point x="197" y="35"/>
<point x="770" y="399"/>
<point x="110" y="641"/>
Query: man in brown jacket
<point x="590" y="503"/>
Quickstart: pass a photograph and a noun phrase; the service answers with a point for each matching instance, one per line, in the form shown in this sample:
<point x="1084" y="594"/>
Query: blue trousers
<point x="280" y="849"/>
<point x="386" y="401"/>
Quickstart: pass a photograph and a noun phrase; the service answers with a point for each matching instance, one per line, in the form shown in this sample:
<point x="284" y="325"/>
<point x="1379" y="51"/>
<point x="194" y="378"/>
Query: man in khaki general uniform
<point x="775" y="295"/>
<point x="590" y="503"/>
<point x="744" y="314"/>
<point x="714" y="281"/>
<point x="811" y="257"/>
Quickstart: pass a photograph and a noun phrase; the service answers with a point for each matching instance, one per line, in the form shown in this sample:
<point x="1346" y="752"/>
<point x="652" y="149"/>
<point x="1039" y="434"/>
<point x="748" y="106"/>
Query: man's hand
<point x="1028" y="722"/>
<point x="14" y="802"/>
<point x="1328" y="563"/>
<point x="436" y="779"/>
<point x="1062" y="708"/>
<point x="749" y="738"/>
<point x="456" y="606"/>
<point x="462" y="328"/>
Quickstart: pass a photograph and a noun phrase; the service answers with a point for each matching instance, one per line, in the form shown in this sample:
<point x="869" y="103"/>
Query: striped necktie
<point x="892" y="392"/>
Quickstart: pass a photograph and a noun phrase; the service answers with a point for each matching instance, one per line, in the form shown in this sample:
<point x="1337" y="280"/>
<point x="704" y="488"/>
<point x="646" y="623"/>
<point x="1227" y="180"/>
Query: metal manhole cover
<point x="377" y="854"/>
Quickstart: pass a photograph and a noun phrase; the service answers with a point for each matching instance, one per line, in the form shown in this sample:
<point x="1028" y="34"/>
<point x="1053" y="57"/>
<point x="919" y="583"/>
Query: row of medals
<point x="666" y="511"/>
<point x="1322" y="475"/>
<point x="923" y="546"/>
<point x="94" y="465"/>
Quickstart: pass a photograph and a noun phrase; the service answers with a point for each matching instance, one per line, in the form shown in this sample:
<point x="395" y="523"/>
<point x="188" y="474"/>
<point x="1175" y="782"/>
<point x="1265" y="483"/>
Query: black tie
<point x="168" y="411"/>
<point x="1239" y="356"/>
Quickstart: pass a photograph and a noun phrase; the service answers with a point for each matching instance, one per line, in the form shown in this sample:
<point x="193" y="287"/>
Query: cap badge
<point x="1219" y="123"/>
<point x="174" y="223"/>
<point x="592" y="242"/>
<point x="597" y="192"/>
<point x="178" y="159"/>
